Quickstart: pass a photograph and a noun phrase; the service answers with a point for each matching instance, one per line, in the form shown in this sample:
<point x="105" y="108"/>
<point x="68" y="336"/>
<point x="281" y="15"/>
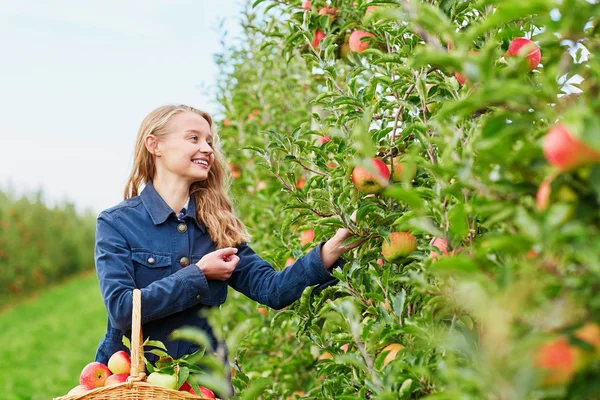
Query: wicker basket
<point x="135" y="388"/>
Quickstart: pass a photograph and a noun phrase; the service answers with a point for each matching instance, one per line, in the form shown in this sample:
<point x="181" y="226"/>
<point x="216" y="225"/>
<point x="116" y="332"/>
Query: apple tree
<point x="479" y="270"/>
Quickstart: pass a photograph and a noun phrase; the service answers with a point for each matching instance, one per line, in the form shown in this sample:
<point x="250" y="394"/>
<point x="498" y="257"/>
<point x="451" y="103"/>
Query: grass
<point x="47" y="340"/>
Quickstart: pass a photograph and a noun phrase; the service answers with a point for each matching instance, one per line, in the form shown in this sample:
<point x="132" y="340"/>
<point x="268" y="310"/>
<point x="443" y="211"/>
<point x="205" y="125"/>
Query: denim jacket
<point x="141" y="243"/>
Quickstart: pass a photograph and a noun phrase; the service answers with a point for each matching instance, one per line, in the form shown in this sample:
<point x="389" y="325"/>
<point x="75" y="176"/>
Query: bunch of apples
<point x="116" y="371"/>
<point x="96" y="374"/>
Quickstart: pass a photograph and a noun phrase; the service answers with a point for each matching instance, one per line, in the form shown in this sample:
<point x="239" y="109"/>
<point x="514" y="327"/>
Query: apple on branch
<point x="398" y="246"/>
<point x="367" y="181"/>
<point x="565" y="151"/>
<point x="357" y="44"/>
<point x="523" y="47"/>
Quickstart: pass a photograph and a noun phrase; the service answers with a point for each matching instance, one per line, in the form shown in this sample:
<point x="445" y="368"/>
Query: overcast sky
<point x="78" y="77"/>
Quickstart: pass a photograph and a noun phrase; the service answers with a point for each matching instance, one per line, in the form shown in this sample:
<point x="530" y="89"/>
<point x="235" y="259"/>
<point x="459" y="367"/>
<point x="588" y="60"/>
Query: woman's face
<point x="186" y="150"/>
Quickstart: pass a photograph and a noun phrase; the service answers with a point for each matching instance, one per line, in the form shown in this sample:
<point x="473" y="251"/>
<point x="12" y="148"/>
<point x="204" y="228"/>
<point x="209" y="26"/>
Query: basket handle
<point x="137" y="350"/>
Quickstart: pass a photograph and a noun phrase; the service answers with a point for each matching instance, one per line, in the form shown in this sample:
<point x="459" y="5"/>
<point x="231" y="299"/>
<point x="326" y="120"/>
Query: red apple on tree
<point x="367" y="181"/>
<point x="400" y="245"/>
<point x="306" y="5"/>
<point x="355" y="42"/>
<point x="307" y="237"/>
<point x="523" y="47"/>
<point x="558" y="359"/>
<point x="119" y="363"/>
<point x="400" y="168"/>
<point x="565" y="151"/>
<point x="319" y="35"/>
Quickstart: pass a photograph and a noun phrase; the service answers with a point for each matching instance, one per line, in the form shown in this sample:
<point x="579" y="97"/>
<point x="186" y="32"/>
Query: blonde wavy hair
<point x="213" y="204"/>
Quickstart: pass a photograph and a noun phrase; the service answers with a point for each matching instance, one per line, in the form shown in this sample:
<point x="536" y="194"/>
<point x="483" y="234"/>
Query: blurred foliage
<point x="40" y="245"/>
<point x="501" y="316"/>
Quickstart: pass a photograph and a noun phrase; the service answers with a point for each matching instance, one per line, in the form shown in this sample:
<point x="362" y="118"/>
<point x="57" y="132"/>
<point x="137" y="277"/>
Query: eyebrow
<point x="199" y="133"/>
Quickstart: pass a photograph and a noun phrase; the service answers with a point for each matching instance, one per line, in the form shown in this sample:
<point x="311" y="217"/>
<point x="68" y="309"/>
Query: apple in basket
<point x="94" y="374"/>
<point x="79" y="389"/>
<point x="116" y="379"/>
<point x="164" y="380"/>
<point x="204" y="392"/>
<point x="119" y="363"/>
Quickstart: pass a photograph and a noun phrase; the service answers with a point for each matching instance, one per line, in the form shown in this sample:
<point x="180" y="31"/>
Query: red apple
<point x="460" y="78"/>
<point x="558" y="360"/>
<point x="226" y="123"/>
<point x="307" y="237"/>
<point x="119" y="363"/>
<point x="400" y="245"/>
<point x="523" y="47"/>
<point x="300" y="183"/>
<point x="355" y="41"/>
<point x="369" y="182"/>
<point x="566" y="152"/>
<point x="164" y="380"/>
<point x="94" y="374"/>
<point x="263" y="311"/>
<point x="306" y="5"/>
<point x="329" y="11"/>
<point x="400" y="167"/>
<point x="207" y="393"/>
<point x="370" y="10"/>
<point x="380" y="261"/>
<point x="79" y="389"/>
<point x="344" y="347"/>
<point x="319" y="35"/>
<point x="442" y="245"/>
<point x="324" y="139"/>
<point x="186" y="388"/>
<point x="116" y="379"/>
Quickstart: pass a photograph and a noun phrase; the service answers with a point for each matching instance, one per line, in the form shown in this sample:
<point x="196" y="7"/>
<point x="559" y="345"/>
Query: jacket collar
<point x="159" y="210"/>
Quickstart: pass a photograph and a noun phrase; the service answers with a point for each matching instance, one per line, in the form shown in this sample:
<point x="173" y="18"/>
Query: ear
<point x="151" y="142"/>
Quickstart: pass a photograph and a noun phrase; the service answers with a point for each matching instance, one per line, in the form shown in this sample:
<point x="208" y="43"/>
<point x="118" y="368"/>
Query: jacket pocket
<point x="150" y="266"/>
<point x="217" y="289"/>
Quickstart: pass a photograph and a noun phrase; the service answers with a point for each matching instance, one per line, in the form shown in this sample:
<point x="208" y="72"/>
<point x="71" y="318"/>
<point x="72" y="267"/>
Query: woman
<point x="180" y="242"/>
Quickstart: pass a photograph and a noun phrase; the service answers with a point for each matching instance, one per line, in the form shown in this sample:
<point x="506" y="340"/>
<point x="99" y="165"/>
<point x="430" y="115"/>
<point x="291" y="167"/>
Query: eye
<point x="194" y="138"/>
<point x="210" y="143"/>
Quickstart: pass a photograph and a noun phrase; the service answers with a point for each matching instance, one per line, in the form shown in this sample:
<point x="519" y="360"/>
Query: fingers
<point x="226" y="252"/>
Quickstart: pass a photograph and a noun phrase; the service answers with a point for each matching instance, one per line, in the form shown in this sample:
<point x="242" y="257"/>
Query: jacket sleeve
<point x="116" y="277"/>
<point x="258" y="280"/>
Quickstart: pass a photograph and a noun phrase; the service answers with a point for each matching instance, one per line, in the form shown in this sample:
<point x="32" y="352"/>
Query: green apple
<point x="164" y="380"/>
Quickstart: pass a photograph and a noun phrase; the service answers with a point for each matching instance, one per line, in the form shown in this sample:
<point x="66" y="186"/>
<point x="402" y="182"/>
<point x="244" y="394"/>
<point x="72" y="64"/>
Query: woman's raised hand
<point x="219" y="264"/>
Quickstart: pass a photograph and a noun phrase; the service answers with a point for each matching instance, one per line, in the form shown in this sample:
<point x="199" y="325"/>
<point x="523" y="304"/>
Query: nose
<point x="205" y="148"/>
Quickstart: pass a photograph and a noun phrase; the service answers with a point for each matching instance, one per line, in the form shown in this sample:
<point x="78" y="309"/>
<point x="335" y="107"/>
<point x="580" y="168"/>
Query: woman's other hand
<point x="219" y="264"/>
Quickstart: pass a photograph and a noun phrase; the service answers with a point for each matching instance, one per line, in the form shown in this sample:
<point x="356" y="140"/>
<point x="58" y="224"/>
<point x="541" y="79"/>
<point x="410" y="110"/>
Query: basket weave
<point x="135" y="388"/>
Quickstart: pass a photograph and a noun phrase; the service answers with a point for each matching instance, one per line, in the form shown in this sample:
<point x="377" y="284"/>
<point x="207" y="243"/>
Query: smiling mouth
<point x="200" y="162"/>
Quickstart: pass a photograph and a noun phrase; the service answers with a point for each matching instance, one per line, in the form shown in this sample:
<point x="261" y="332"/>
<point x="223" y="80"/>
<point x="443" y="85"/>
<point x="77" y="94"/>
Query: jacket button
<point x="151" y="260"/>
<point x="198" y="297"/>
<point x="181" y="228"/>
<point x="184" y="261"/>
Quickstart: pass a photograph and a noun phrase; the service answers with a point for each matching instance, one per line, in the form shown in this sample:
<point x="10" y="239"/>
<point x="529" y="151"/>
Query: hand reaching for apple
<point x="333" y="248"/>
<point x="219" y="264"/>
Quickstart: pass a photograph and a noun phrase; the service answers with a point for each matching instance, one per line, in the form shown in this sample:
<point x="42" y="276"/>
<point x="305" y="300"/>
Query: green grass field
<point x="47" y="340"/>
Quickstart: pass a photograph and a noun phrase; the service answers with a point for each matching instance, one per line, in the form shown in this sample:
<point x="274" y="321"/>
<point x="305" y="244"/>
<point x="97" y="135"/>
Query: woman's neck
<point x="174" y="193"/>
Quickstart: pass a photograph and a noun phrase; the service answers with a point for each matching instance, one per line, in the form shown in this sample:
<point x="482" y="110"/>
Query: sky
<point x="77" y="78"/>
